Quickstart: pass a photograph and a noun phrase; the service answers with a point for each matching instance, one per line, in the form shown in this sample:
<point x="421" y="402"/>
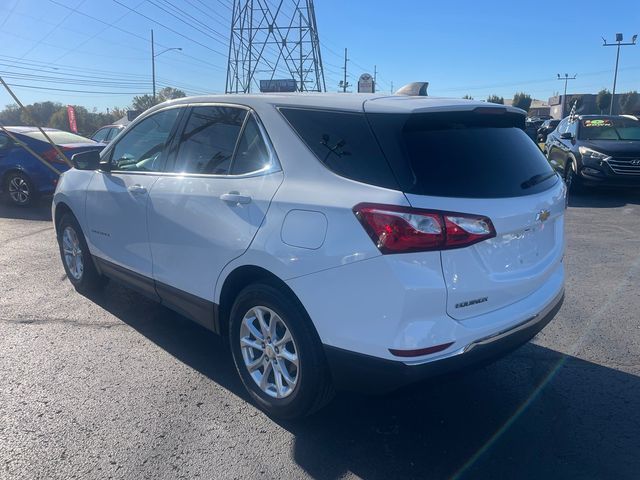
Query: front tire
<point x="76" y="258"/>
<point x="19" y="189"/>
<point x="277" y="353"/>
<point x="572" y="180"/>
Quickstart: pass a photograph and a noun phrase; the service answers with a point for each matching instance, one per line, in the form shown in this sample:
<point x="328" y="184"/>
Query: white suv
<point x="344" y="241"/>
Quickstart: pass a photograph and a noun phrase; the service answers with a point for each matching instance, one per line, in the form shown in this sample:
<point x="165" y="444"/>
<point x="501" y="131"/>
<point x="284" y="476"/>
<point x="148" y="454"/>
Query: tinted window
<point x="113" y="132"/>
<point x="58" y="137"/>
<point x="252" y="153"/>
<point x="209" y="139"/>
<point x="463" y="154"/>
<point x="101" y="135"/>
<point x="562" y="126"/>
<point x="344" y="143"/>
<point x="142" y="148"/>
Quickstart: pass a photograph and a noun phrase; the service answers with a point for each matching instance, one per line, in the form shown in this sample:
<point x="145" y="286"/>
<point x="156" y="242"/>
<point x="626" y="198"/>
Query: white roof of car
<point x="375" y="103"/>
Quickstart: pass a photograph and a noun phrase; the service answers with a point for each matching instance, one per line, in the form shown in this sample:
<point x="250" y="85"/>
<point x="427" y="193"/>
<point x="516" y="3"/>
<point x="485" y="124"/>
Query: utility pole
<point x="391" y="87"/>
<point x="618" y="44"/>
<point x="566" y="78"/>
<point x="375" y="77"/>
<point x="153" y="66"/>
<point x="345" y="84"/>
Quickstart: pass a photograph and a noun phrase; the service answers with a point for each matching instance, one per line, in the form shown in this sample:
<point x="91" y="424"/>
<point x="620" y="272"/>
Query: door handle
<point x="137" y="189"/>
<point x="235" y="197"/>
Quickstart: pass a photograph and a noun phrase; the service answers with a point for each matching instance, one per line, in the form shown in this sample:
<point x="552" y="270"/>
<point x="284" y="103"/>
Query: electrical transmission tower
<point x="274" y="40"/>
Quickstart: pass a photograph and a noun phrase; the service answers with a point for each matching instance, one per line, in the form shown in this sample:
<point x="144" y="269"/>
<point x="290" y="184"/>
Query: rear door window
<point x="462" y="154"/>
<point x="209" y="140"/>
<point x="101" y="135"/>
<point x="252" y="154"/>
<point x="344" y="143"/>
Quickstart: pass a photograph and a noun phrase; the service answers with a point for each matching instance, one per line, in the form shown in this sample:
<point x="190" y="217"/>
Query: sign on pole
<point x="365" y="84"/>
<point x="71" y="113"/>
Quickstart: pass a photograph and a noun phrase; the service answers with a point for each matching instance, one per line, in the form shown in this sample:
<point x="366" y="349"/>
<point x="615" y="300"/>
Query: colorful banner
<point x="71" y="113"/>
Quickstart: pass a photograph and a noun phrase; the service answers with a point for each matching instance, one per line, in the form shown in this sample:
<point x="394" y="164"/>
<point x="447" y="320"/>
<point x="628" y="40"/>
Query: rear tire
<point x="19" y="189"/>
<point x="272" y="336"/>
<point x="76" y="258"/>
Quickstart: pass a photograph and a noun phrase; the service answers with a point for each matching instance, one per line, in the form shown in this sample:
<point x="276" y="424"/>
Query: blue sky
<point x="465" y="47"/>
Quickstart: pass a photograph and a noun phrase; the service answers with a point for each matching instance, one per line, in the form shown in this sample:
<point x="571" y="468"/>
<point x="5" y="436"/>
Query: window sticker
<point x="601" y="122"/>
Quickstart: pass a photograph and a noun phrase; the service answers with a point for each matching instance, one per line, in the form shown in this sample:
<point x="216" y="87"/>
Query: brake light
<point x="52" y="155"/>
<point x="396" y="229"/>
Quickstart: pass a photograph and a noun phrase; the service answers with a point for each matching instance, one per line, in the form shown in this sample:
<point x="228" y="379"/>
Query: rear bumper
<point x="356" y="371"/>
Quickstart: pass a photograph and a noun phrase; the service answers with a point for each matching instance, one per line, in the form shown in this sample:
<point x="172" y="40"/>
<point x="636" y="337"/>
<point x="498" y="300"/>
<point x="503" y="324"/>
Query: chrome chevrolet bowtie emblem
<point x="543" y="215"/>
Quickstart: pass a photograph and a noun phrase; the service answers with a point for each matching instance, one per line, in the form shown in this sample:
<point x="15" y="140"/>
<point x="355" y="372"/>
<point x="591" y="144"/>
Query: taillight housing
<point x="396" y="229"/>
<point x="52" y="155"/>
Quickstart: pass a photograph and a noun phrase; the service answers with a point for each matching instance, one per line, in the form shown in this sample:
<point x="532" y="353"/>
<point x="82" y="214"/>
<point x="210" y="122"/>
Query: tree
<point x="522" y="100"/>
<point x="468" y="97"/>
<point x="603" y="100"/>
<point x="11" y="115"/>
<point x="629" y="102"/>
<point x="143" y="102"/>
<point x="39" y="113"/>
<point x="495" y="99"/>
<point x="170" y="93"/>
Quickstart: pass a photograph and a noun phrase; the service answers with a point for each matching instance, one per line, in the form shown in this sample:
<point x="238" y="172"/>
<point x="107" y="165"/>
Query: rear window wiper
<point x="536" y="179"/>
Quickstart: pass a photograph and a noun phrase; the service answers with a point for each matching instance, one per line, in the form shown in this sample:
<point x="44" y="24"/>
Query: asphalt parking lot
<point x="119" y="387"/>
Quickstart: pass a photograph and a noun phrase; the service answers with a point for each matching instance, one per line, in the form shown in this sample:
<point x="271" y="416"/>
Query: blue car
<point x="23" y="177"/>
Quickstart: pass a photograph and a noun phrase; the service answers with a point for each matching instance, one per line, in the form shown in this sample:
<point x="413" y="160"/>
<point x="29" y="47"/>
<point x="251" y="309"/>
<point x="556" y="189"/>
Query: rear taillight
<point x="52" y="156"/>
<point x="397" y="229"/>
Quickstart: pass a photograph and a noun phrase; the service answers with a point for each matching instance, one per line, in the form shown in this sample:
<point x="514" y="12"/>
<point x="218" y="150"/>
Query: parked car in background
<point x="24" y="177"/>
<point x="546" y="128"/>
<point x="596" y="150"/>
<point x="107" y="133"/>
<point x="337" y="240"/>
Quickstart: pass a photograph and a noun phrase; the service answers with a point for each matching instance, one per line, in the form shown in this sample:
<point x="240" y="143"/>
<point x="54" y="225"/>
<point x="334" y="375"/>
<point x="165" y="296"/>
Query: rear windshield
<point x="463" y="154"/>
<point x="58" y="137"/>
<point x="609" y="129"/>
<point x="453" y="154"/>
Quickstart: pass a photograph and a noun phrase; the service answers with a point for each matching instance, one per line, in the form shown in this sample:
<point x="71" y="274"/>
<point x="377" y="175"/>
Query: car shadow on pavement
<point x="604" y="198"/>
<point x="40" y="211"/>
<point x="537" y="413"/>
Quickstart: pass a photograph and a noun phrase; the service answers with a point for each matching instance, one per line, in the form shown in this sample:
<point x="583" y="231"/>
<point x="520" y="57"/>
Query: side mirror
<point x="566" y="136"/>
<point x="86" y="160"/>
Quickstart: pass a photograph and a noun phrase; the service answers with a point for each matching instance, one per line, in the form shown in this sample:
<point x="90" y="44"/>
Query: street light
<point x="618" y="44"/>
<point x="153" y="61"/>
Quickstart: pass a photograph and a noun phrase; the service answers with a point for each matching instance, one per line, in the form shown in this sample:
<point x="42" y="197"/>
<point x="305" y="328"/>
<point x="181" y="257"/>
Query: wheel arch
<point x="60" y="209"/>
<point x="240" y="278"/>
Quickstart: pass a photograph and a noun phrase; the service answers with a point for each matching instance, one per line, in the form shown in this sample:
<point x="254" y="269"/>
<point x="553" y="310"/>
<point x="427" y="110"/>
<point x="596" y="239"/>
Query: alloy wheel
<point x="19" y="190"/>
<point x="269" y="352"/>
<point x="72" y="252"/>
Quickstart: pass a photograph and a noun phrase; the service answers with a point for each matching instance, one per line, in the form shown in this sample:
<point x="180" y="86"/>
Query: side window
<point x="562" y="126"/>
<point x="344" y="143"/>
<point x="113" y="131"/>
<point x="142" y="147"/>
<point x="208" y="140"/>
<point x="101" y="135"/>
<point x="252" y="153"/>
<point x="573" y="128"/>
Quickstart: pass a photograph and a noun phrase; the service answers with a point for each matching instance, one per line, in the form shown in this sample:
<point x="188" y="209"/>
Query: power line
<point x="74" y="91"/>
<point x="169" y="28"/>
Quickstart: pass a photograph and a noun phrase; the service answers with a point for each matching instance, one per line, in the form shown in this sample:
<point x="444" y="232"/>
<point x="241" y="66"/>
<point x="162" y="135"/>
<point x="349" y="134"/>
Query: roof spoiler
<point x="414" y="89"/>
